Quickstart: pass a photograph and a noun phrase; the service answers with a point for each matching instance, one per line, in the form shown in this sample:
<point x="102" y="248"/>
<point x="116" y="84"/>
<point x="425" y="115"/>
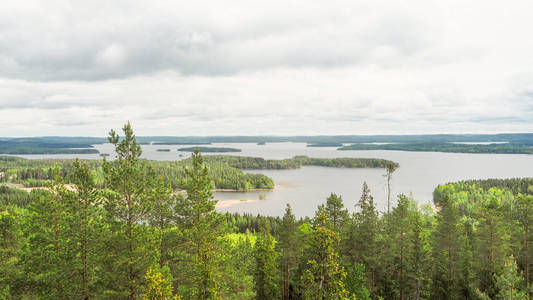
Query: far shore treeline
<point x="116" y="229"/>
<point x="519" y="143"/>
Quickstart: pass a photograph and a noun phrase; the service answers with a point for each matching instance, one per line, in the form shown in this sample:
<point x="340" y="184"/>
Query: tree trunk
<point x="388" y="194"/>
<point x="402" y="283"/>
<point x="131" y="269"/>
<point x="59" y="287"/>
<point x="286" y="282"/>
<point x="85" y="252"/>
<point x="526" y="244"/>
<point x="373" y="282"/>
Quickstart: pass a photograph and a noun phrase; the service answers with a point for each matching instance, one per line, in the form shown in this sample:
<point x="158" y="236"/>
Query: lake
<point x="304" y="189"/>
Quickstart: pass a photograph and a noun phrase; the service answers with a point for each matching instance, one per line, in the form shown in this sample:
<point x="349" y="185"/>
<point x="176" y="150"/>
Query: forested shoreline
<point x="446" y="147"/>
<point x="119" y="231"/>
<point x="225" y="171"/>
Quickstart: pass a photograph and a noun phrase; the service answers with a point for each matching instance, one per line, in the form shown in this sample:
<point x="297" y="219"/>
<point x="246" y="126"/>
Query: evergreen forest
<point x="129" y="228"/>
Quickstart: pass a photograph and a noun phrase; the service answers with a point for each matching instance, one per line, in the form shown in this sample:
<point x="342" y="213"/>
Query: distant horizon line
<point x="279" y="136"/>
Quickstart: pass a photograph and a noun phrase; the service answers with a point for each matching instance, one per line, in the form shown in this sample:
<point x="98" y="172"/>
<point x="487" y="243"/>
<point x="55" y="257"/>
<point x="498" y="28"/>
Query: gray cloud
<point x="103" y="40"/>
<point x="265" y="67"/>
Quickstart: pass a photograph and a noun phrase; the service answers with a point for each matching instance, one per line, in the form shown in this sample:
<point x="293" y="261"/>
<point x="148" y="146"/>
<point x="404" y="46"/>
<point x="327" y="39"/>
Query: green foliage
<point x="35" y="173"/>
<point x="336" y="214"/>
<point x="445" y="147"/>
<point x="245" y="222"/>
<point x="509" y="282"/>
<point x="12" y="196"/>
<point x="202" y="227"/>
<point x="11" y="242"/>
<point x="360" y="243"/>
<point x="356" y="282"/>
<point x="117" y="230"/>
<point x="446" y="244"/>
<point x="130" y="181"/>
<point x="86" y="218"/>
<point x="256" y="163"/>
<point x="237" y="266"/>
<point x="225" y="171"/>
<point x="159" y="284"/>
<point x="266" y="274"/>
<point x="161" y="216"/>
<point x="43" y="147"/>
<point x="289" y="248"/>
<point x="324" y="276"/>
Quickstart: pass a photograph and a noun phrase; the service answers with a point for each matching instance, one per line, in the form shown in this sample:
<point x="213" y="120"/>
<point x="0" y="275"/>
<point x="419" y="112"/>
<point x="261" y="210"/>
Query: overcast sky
<point x="280" y="67"/>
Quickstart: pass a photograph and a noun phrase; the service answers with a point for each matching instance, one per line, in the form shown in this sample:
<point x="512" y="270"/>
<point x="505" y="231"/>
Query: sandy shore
<point x="184" y="192"/>
<point x="235" y="191"/>
<point x="19" y="186"/>
<point x="228" y="203"/>
<point x="220" y="204"/>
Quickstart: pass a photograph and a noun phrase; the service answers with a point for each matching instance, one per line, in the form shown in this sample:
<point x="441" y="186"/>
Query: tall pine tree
<point x="324" y="277"/>
<point x="266" y="275"/>
<point x="202" y="227"/>
<point x="288" y="248"/>
<point x="130" y="180"/>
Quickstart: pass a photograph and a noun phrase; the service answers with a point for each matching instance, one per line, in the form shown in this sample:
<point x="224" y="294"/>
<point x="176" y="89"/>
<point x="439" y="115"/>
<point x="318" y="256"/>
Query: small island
<point x="325" y="144"/>
<point x="262" y="143"/>
<point x="40" y="150"/>
<point x="163" y="150"/>
<point x="181" y="143"/>
<point x="210" y="149"/>
<point x="258" y="163"/>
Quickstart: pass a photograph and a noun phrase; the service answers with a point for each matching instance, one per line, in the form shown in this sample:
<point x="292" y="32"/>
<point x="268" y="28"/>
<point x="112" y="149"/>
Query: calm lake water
<point x="304" y="189"/>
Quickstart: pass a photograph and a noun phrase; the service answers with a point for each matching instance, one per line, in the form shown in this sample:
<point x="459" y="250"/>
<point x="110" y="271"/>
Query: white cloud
<point x="111" y="56"/>
<point x="265" y="67"/>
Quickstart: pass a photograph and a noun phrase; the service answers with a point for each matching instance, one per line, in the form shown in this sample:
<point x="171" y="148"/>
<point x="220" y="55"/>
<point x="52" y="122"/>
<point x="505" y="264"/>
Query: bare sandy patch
<point x="228" y="203"/>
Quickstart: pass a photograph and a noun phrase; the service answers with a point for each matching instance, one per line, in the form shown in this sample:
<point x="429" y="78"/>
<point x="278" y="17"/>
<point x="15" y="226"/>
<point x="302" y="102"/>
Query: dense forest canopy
<point x="225" y="171"/>
<point x="36" y="173"/>
<point x="119" y="230"/>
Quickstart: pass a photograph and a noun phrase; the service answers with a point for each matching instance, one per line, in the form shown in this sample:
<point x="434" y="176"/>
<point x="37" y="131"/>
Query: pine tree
<point x="86" y="198"/>
<point x="324" y="277"/>
<point x="130" y="180"/>
<point x="420" y="257"/>
<point x="466" y="286"/>
<point x="266" y="276"/>
<point x="161" y="215"/>
<point x="48" y="256"/>
<point x="11" y="242"/>
<point x="400" y="231"/>
<point x="525" y="221"/>
<point x="159" y="284"/>
<point x="391" y="167"/>
<point x="509" y="283"/>
<point x="355" y="281"/>
<point x="492" y="243"/>
<point x="446" y="245"/>
<point x="336" y="213"/>
<point x="362" y="240"/>
<point x="202" y="227"/>
<point x="289" y="250"/>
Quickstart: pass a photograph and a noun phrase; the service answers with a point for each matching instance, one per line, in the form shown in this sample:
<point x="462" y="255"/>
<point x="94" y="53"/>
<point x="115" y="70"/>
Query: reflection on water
<point x="308" y="187"/>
